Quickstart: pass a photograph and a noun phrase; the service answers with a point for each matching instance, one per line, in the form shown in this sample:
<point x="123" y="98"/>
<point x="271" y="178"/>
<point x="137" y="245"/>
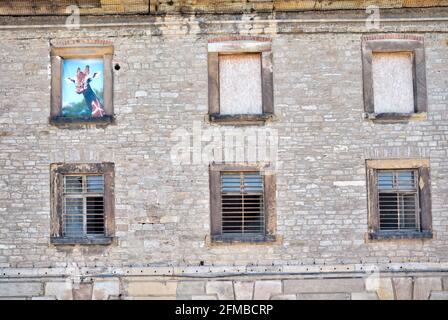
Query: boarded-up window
<point x="83" y="211"/>
<point x="242" y="203"/>
<point x="398" y="200"/>
<point x="393" y="84"/>
<point x="240" y="84"/>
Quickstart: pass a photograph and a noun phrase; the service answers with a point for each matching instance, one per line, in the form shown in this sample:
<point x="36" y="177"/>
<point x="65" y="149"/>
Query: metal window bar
<point x="242" y="203"/>
<point x="398" y="200"/>
<point x="83" y="210"/>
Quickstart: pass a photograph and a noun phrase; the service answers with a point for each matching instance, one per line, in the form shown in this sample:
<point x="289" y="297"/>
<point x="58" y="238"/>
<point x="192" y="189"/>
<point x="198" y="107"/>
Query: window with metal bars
<point x="242" y="203"/>
<point x="82" y="203"/>
<point x="83" y="211"/>
<point x="398" y="200"/>
<point x="399" y="193"/>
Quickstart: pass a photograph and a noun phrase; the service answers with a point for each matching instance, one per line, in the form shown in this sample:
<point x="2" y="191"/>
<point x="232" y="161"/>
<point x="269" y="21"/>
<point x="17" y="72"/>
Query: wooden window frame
<point x="57" y="173"/>
<point x="424" y="192"/>
<point x="269" y="185"/>
<point x="390" y="43"/>
<point x="86" y="51"/>
<point x="240" y="45"/>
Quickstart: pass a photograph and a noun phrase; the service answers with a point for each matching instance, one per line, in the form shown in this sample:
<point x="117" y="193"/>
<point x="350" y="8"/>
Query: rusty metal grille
<point x="242" y="203"/>
<point x="83" y="212"/>
<point x="398" y="203"/>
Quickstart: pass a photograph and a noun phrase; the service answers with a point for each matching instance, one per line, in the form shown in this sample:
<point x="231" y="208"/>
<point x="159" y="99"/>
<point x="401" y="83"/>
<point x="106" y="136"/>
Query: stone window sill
<point x="396" y="117"/>
<point x="396" y="235"/>
<point x="60" y="121"/>
<point x="246" y="239"/>
<point x="239" y="119"/>
<point x="83" y="241"/>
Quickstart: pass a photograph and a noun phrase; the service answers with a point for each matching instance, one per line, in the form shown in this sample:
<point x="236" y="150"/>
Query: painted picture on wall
<point x="83" y="88"/>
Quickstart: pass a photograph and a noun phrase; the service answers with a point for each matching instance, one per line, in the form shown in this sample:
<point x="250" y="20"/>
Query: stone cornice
<point x="121" y="7"/>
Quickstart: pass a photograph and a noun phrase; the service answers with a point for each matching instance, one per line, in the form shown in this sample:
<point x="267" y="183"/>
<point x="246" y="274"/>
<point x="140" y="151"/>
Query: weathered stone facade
<point x="162" y="213"/>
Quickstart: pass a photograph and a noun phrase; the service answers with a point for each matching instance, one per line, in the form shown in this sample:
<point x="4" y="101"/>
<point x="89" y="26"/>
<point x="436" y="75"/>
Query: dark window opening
<point x="398" y="203"/>
<point x="83" y="214"/>
<point x="242" y="203"/>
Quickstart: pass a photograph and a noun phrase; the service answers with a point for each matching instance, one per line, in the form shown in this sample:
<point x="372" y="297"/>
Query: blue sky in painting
<point x="69" y="94"/>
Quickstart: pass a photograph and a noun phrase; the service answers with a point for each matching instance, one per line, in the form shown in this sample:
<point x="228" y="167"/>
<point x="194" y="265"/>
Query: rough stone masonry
<point x="162" y="247"/>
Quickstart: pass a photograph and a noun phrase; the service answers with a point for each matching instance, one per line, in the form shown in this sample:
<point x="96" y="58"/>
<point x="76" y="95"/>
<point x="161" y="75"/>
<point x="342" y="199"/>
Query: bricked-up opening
<point x="393" y="84"/>
<point x="394" y="77"/>
<point x="240" y="80"/>
<point x="242" y="203"/>
<point x="398" y="200"/>
<point x="240" y="83"/>
<point x="83" y="211"/>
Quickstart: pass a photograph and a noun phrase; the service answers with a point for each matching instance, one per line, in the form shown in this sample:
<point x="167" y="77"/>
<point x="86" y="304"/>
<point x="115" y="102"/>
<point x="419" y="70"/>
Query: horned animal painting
<point x="84" y="99"/>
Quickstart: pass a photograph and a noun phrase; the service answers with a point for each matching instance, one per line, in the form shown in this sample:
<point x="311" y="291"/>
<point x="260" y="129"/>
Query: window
<point x="242" y="203"/>
<point x="82" y="203"/>
<point x="399" y="199"/>
<point x="81" y="84"/>
<point x="394" y="77"/>
<point x="83" y="209"/>
<point x="398" y="208"/>
<point x="240" y="80"/>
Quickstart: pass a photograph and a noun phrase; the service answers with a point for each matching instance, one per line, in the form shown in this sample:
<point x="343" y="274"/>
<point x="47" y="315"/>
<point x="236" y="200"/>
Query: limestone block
<point x="84" y="292"/>
<point x="323" y="296"/>
<point x="284" y="297"/>
<point x="44" y="298"/>
<point x="264" y="289"/>
<point x="439" y="295"/>
<point x="61" y="290"/>
<point x="445" y="283"/>
<point x="424" y="286"/>
<point x="152" y="288"/>
<point x="383" y="287"/>
<point x="17" y="289"/>
<point x="244" y="290"/>
<point x="169" y="219"/>
<point x="204" y="297"/>
<point x="186" y="289"/>
<point x="102" y="289"/>
<point x="364" y="296"/>
<point x="223" y="289"/>
<point x="403" y="288"/>
<point x="154" y="298"/>
<point x="323" y="285"/>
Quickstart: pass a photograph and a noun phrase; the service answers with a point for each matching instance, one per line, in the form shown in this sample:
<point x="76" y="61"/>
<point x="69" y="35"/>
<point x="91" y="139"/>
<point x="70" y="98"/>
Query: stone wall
<point x="162" y="208"/>
<point x="160" y="7"/>
<point x="151" y="284"/>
